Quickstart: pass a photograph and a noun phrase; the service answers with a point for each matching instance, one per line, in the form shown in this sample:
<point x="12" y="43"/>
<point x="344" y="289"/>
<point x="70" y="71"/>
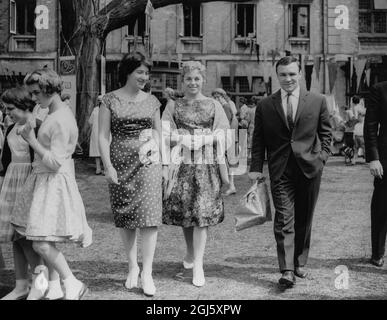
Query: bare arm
<point x="104" y="135"/>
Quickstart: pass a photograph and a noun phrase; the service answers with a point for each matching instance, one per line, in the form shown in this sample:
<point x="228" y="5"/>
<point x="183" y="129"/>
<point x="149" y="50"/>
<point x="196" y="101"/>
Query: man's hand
<point x="376" y="169"/>
<point x="253" y="176"/>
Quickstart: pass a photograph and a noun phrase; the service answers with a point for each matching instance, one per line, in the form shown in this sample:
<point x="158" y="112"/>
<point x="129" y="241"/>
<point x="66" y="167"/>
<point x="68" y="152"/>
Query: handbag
<point x="173" y="169"/>
<point x="255" y="206"/>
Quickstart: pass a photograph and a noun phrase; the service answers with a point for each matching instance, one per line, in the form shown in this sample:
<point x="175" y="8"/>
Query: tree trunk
<point x="2" y="263"/>
<point x="85" y="26"/>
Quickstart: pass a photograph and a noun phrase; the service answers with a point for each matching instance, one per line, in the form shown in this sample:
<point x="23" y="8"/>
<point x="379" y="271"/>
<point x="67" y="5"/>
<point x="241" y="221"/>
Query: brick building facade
<point x="228" y="37"/>
<point x="238" y="43"/>
<point x="23" y="47"/>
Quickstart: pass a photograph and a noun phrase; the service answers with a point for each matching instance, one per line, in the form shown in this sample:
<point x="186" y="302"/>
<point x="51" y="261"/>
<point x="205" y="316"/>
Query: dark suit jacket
<point x="376" y="114"/>
<point x="310" y="140"/>
<point x="6" y="155"/>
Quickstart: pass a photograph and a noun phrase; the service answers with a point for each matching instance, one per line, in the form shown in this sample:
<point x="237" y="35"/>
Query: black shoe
<point x="300" y="272"/>
<point x="288" y="279"/>
<point x="377" y="262"/>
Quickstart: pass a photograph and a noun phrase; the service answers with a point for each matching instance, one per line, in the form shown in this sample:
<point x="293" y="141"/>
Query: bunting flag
<point x="332" y="72"/>
<point x="218" y="75"/>
<point x="317" y="61"/>
<point x="149" y="9"/>
<point x="265" y="66"/>
<point x="257" y="51"/>
<point x="308" y="76"/>
<point x="353" y="79"/>
<point x="233" y="67"/>
<point x="315" y="86"/>
<point x="169" y="57"/>
<point x="274" y="80"/>
<point x="249" y="74"/>
<point x="359" y="65"/>
<point x="368" y="77"/>
<point x="331" y="103"/>
<point x="266" y="69"/>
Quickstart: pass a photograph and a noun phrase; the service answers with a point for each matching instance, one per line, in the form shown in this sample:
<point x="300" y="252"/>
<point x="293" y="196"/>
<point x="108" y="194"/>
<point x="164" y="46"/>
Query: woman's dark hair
<point x="19" y="97"/>
<point x="129" y="63"/>
<point x="356" y="99"/>
<point x="47" y="79"/>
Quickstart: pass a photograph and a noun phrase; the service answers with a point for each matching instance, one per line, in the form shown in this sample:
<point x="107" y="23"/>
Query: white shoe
<point x="39" y="287"/>
<point x="16" y="295"/>
<point x="198" y="279"/>
<point x="188" y="265"/>
<point x="230" y="192"/>
<point x="148" y="285"/>
<point x="132" y="280"/>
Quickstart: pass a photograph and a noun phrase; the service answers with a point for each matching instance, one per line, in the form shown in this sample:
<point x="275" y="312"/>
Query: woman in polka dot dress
<point x="132" y="165"/>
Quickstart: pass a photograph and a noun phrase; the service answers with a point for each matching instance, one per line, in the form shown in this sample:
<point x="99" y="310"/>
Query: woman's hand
<point x="149" y="153"/>
<point x="111" y="175"/>
<point x="27" y="133"/>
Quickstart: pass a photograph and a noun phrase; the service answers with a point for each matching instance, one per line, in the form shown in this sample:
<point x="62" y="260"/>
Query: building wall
<point x="4" y="24"/>
<point x="47" y="40"/>
<point x="218" y="48"/>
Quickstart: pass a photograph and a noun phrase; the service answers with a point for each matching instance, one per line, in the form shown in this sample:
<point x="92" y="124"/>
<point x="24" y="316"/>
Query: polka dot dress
<point x="137" y="201"/>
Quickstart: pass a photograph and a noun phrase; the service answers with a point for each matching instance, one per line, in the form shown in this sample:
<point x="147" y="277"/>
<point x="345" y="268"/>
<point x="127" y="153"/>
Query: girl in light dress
<point x="16" y="162"/>
<point x="55" y="211"/>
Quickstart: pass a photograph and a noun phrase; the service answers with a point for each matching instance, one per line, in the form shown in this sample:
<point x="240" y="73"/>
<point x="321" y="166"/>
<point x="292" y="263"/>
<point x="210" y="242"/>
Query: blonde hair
<point x="47" y="79"/>
<point x="189" y="66"/>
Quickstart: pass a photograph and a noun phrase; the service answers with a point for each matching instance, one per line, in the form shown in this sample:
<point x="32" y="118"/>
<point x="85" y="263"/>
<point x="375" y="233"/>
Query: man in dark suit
<point x="375" y="138"/>
<point x="293" y="126"/>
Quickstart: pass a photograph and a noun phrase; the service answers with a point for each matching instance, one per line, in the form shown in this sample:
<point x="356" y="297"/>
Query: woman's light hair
<point x="47" y="79"/>
<point x="190" y="66"/>
<point x="220" y="92"/>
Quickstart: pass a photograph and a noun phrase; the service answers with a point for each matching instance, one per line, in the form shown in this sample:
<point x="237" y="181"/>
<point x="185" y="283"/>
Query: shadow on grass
<point x="354" y="264"/>
<point x="104" y="276"/>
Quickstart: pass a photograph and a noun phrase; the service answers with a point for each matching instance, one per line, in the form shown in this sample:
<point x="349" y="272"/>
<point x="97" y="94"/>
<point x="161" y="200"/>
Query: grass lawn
<point x="238" y="265"/>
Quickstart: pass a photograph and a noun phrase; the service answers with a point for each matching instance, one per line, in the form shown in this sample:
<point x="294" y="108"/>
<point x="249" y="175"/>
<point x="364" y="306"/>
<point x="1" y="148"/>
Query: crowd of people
<point x="40" y="204"/>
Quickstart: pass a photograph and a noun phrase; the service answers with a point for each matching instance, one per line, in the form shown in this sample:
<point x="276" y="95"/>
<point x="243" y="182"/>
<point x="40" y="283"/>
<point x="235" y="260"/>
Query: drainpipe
<point x="324" y="42"/>
<point x="58" y="28"/>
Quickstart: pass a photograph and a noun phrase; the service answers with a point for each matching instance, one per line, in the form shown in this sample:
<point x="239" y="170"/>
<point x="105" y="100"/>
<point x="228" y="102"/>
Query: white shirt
<point x="40" y="113"/>
<point x="359" y="129"/>
<point x="294" y="98"/>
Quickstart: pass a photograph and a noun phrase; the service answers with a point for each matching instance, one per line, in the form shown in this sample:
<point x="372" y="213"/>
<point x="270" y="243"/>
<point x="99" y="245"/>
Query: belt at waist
<point x="66" y="167"/>
<point x="21" y="160"/>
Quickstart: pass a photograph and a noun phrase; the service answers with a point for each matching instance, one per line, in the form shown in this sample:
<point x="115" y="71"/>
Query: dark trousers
<point x="294" y="198"/>
<point x="379" y="217"/>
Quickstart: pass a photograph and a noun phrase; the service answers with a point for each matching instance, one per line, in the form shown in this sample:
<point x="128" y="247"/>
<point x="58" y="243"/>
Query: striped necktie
<point x="289" y="112"/>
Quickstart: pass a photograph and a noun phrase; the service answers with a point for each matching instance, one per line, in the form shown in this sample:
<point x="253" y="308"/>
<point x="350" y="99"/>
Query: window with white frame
<point x="373" y="17"/>
<point x="192" y="15"/>
<point x="245" y="20"/>
<point x="12" y="16"/>
<point x="138" y="27"/>
<point x="25" y="17"/>
<point x="299" y="17"/>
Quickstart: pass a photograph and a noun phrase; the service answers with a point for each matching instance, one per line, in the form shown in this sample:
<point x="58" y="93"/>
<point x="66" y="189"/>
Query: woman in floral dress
<point x="132" y="165"/>
<point x="196" y="126"/>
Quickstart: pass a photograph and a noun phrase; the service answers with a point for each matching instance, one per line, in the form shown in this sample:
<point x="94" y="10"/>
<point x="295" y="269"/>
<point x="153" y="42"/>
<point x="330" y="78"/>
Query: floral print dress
<point x="195" y="199"/>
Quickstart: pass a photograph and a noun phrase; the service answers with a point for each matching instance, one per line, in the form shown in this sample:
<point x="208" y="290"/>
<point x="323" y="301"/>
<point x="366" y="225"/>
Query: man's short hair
<point x="356" y="99"/>
<point x="285" y="61"/>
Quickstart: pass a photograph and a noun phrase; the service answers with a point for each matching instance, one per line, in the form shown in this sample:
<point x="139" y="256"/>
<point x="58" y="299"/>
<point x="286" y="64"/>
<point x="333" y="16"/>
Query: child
<point x="16" y="162"/>
<point x="55" y="211"/>
<point x="94" y="148"/>
<point x="358" y="137"/>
